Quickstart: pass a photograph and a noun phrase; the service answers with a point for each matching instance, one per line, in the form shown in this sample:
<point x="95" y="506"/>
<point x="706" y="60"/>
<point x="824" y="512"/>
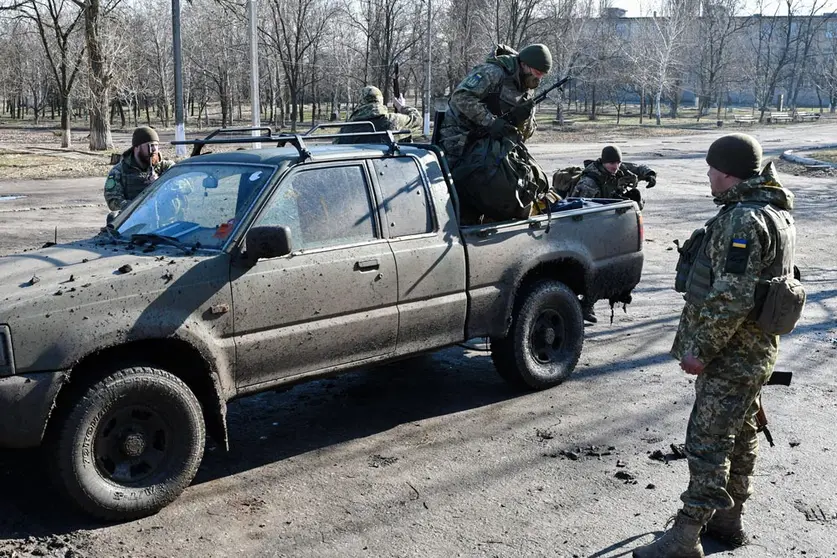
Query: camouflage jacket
<point x="741" y="244"/>
<point x="377" y="113"/>
<point x="126" y="180"/>
<point x="490" y="90"/>
<point x="597" y="182"/>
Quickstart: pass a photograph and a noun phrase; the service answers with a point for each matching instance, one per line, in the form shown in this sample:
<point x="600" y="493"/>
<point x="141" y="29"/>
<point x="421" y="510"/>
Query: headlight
<point x="7" y="359"/>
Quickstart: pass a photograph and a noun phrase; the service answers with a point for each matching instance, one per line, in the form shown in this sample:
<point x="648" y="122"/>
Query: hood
<point x="368" y="110"/>
<point x="59" y="273"/>
<point x="763" y="188"/>
<point x="66" y="301"/>
<point x="506" y="61"/>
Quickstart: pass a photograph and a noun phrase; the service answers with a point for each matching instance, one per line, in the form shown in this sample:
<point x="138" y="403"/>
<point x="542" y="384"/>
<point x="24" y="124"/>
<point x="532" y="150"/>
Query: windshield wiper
<point x="155" y="238"/>
<point x="112" y="232"/>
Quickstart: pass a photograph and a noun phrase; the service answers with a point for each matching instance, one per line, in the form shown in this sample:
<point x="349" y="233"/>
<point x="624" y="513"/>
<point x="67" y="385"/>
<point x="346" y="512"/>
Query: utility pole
<point x="179" y="127"/>
<point x="255" y="109"/>
<point x="426" y="128"/>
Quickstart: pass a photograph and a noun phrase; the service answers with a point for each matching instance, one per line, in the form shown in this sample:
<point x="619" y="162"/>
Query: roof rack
<point x="265" y="134"/>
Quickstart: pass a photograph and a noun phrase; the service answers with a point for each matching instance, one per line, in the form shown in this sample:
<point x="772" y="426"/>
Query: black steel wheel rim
<point x="133" y="443"/>
<point x="546" y="340"/>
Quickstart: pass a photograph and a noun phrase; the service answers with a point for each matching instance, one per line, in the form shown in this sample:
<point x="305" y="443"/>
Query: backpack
<point x="564" y="180"/>
<point x="499" y="179"/>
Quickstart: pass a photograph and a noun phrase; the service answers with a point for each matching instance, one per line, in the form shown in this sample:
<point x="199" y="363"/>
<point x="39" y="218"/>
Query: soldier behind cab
<point x="140" y="166"/>
<point x="372" y="109"/>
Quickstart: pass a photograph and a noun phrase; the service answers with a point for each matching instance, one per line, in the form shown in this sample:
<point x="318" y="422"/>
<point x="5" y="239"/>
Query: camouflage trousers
<point x="721" y="439"/>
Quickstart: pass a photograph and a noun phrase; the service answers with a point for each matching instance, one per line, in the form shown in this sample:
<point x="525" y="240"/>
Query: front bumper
<point x="26" y="401"/>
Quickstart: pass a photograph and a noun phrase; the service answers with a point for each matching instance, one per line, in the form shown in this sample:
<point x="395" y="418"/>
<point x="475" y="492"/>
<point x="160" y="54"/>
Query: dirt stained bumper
<point x="26" y="401"/>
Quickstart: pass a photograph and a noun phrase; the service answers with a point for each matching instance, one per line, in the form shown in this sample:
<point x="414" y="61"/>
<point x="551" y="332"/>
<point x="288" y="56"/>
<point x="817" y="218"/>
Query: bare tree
<point x="516" y="22"/>
<point x="292" y="31"/>
<point x="665" y="42"/>
<point x="100" y="70"/>
<point x="57" y="23"/>
<point x="809" y="28"/>
<point x="717" y="28"/>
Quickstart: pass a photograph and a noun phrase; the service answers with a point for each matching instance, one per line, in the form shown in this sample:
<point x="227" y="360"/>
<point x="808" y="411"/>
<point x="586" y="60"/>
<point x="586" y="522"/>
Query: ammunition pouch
<point x="779" y="304"/>
<point x="694" y="269"/>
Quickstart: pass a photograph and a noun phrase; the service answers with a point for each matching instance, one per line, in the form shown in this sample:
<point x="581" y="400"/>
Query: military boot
<point x="588" y="310"/>
<point x="725" y="526"/>
<point x="681" y="541"/>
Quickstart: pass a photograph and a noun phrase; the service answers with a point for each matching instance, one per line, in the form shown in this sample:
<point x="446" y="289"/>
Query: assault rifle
<point x="539" y="98"/>
<point x="396" y="90"/>
<point x="778" y="378"/>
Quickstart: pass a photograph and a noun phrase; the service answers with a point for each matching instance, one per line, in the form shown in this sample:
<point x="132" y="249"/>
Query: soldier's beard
<point x="531" y="82"/>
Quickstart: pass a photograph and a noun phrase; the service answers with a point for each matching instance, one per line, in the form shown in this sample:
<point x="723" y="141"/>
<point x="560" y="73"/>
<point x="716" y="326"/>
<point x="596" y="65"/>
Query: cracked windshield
<point x="196" y="205"/>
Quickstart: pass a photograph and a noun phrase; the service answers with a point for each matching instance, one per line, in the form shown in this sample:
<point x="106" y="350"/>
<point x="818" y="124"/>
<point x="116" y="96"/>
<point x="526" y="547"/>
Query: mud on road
<point x="438" y="457"/>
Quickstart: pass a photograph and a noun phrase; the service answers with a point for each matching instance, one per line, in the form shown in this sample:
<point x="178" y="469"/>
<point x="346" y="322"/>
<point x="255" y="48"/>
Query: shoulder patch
<point x="737" y="256"/>
<point x="473" y="80"/>
<point x="110" y="183"/>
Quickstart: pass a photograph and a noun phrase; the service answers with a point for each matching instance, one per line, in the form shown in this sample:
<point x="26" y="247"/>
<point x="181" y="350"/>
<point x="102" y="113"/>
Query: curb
<point x="807" y="161"/>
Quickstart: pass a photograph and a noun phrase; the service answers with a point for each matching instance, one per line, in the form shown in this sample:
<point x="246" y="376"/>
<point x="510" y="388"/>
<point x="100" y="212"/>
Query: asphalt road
<point x="438" y="457"/>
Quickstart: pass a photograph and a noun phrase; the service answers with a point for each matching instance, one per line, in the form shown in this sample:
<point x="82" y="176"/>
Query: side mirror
<point x="268" y="242"/>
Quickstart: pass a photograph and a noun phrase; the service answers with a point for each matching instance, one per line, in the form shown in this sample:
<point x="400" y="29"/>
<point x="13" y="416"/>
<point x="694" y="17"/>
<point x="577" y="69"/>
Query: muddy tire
<point x="130" y="444"/>
<point x="545" y="339"/>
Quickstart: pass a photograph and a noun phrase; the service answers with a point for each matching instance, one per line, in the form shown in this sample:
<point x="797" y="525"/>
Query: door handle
<point x="367" y="265"/>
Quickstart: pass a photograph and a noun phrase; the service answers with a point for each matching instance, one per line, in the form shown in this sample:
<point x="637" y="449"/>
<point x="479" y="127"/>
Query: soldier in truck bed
<point x="606" y="176"/>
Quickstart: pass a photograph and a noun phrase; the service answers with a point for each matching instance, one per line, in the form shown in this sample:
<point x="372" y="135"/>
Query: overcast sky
<point x="645" y="7"/>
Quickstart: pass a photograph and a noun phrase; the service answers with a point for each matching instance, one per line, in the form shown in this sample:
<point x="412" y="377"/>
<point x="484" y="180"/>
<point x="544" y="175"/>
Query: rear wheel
<point x="130" y="444"/>
<point x="544" y="342"/>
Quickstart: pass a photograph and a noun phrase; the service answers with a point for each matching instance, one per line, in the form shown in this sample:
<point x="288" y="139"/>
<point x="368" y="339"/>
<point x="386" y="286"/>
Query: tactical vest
<point x="779" y="296"/>
<point x="494" y="101"/>
<point x="135" y="180"/>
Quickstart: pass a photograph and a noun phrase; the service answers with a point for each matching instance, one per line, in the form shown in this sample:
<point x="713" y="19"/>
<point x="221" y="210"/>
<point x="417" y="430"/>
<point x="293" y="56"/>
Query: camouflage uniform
<point x="126" y="180"/>
<point x="597" y="182"/>
<point x="372" y="109"/>
<point x="490" y="90"/>
<point x="739" y="356"/>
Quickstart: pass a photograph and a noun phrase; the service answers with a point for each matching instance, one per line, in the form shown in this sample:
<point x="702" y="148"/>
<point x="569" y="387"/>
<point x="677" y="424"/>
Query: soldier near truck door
<point x="139" y="167"/>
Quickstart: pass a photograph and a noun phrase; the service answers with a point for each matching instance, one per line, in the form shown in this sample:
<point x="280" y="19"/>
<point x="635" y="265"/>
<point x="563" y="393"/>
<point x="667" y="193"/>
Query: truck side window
<point x="405" y="196"/>
<point x="323" y="207"/>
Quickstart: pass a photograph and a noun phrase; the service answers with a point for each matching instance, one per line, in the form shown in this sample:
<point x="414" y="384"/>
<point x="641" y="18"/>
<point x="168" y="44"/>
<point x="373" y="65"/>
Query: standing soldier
<point x="737" y="273"/>
<point x="140" y="166"/>
<point x="373" y="109"/>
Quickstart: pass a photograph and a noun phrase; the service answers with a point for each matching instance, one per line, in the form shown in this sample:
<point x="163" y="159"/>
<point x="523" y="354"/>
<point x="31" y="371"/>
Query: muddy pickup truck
<point x="244" y="271"/>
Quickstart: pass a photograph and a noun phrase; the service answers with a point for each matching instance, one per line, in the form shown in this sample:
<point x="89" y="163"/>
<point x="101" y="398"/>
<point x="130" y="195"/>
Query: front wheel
<point x="545" y="339"/>
<point x="130" y="444"/>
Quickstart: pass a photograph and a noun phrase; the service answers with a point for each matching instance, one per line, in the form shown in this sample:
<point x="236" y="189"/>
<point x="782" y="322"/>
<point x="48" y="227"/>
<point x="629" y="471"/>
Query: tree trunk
<point x="100" y="137"/>
<point x="66" y="137"/>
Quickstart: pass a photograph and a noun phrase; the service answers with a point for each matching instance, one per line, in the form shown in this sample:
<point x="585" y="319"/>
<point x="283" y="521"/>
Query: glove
<point x="650" y="180"/>
<point x="521" y="113"/>
<point x="399" y="103"/>
<point x="500" y="129"/>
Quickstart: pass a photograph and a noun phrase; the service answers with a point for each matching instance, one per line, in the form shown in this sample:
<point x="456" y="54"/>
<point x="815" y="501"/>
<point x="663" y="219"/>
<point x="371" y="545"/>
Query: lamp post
<point x="255" y="109"/>
<point x="179" y="127"/>
<point x="426" y="127"/>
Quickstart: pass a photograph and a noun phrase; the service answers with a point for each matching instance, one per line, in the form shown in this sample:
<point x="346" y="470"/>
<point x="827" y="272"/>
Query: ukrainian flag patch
<point x="737" y="256"/>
